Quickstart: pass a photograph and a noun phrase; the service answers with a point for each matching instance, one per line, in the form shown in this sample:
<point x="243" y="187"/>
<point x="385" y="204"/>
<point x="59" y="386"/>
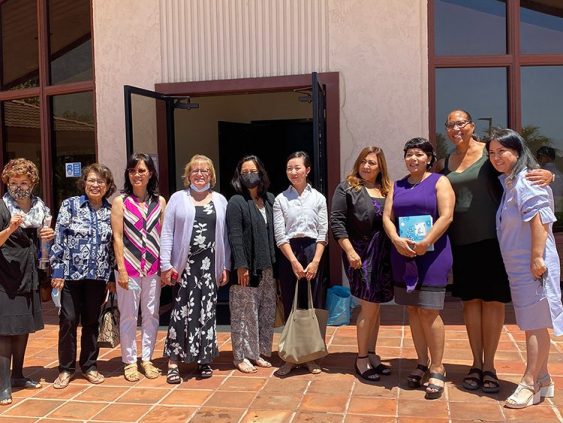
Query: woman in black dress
<point x="22" y="219"/>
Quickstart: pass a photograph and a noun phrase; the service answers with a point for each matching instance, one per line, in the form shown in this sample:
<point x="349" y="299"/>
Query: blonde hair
<point x="189" y="166"/>
<point x="356" y="182"/>
<point x="20" y="167"/>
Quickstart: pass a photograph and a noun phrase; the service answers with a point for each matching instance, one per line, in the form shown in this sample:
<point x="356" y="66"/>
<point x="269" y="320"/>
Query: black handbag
<point x="108" y="335"/>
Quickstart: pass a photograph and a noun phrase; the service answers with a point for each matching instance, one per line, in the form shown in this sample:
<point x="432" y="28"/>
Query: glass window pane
<point x="21" y="135"/>
<point x="542" y="126"/>
<point x="20" y="57"/>
<point x="70" y="41"/>
<point x="480" y="91"/>
<point x="476" y="27"/>
<point x="73" y="140"/>
<point x="541" y="26"/>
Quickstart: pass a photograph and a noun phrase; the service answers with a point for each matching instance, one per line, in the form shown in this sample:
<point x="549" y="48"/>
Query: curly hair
<point x="104" y="173"/>
<point x="20" y="167"/>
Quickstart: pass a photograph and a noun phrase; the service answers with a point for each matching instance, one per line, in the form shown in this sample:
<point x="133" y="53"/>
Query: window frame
<point x="45" y="91"/>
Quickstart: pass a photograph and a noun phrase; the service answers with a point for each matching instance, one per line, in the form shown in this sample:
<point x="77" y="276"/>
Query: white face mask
<point x="202" y="189"/>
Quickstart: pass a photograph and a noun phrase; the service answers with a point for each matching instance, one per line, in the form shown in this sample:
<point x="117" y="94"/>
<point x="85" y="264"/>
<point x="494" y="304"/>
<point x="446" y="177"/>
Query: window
<point x="502" y="61"/>
<point x="46" y="90"/>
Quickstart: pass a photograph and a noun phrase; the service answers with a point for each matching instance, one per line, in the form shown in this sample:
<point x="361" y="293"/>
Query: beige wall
<point x="126" y="51"/>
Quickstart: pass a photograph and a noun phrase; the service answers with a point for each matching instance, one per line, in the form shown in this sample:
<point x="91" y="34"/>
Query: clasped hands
<point x="308" y="273"/>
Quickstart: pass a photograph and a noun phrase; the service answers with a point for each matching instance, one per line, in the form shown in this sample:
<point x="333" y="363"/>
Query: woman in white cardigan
<point x="194" y="257"/>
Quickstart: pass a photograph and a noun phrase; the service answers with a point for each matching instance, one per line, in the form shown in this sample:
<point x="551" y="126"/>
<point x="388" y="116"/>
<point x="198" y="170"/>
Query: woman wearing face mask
<point x="252" y="298"/>
<point x="22" y="218"/>
<point x="300" y="228"/>
<point x="195" y="257"/>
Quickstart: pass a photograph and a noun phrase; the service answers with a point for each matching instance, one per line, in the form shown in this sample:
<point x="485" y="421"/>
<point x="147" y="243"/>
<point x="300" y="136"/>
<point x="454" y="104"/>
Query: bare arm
<point x="540" y="177"/>
<point x="539" y="238"/>
<point x="117" y="213"/>
<point x="446" y="201"/>
<point x="403" y="245"/>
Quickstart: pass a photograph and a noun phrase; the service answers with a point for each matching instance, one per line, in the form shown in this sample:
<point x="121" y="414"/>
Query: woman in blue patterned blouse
<point x="82" y="262"/>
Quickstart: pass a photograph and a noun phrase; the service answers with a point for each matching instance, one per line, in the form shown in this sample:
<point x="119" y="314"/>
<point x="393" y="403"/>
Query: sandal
<point x="472" y="383"/>
<point x="260" y="362"/>
<point x="285" y="369"/>
<point x="515" y="401"/>
<point x="151" y="372"/>
<point x="414" y="380"/>
<point x="434" y="391"/>
<point x="25" y="382"/>
<point x="62" y="380"/>
<point x="6" y="397"/>
<point x="494" y="385"/>
<point x="245" y="367"/>
<point x="131" y="372"/>
<point x="381" y="369"/>
<point x="370" y="374"/>
<point x="205" y="371"/>
<point x="547" y="386"/>
<point x="93" y="376"/>
<point x="173" y="376"/>
<point x="313" y="367"/>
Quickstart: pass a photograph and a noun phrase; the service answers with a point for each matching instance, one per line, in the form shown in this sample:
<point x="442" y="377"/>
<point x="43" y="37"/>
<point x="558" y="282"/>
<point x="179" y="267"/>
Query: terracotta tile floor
<point x="336" y="395"/>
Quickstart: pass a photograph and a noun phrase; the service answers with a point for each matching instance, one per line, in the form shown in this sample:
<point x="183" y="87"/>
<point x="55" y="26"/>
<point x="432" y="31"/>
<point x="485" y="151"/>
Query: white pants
<point x="128" y="301"/>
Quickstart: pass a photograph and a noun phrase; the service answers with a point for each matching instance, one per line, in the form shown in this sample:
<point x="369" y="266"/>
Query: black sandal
<point x="6" y="396"/>
<point x="25" y="382"/>
<point x="493" y="382"/>
<point x="205" y="371"/>
<point x="381" y="369"/>
<point x="173" y="376"/>
<point x="434" y="391"/>
<point x="477" y="381"/>
<point x="370" y="375"/>
<point x="414" y="380"/>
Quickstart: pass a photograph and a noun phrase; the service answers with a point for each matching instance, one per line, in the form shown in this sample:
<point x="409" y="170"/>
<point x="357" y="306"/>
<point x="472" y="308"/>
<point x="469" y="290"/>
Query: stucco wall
<point x="126" y="51"/>
<point x="380" y="49"/>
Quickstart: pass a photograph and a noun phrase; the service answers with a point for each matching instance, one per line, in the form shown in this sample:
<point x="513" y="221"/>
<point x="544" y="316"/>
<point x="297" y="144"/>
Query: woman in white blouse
<point x="300" y="229"/>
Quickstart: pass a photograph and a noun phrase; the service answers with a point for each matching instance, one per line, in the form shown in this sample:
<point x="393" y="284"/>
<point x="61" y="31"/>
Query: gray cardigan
<point x="177" y="233"/>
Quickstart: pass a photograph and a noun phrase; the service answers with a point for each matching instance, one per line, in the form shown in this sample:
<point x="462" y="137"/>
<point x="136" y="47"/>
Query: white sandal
<point x="547" y="386"/>
<point x="515" y="401"/>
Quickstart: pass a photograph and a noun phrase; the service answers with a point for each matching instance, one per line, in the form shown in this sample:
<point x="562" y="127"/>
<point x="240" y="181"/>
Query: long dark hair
<point x="132" y="162"/>
<point x="264" y="184"/>
<point x="513" y="140"/>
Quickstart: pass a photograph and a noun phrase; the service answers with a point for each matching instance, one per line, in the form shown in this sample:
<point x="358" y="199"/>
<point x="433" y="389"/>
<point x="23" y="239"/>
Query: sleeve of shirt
<point x="59" y="244"/>
<point x="167" y="235"/>
<point x="234" y="226"/>
<point x="279" y="223"/>
<point x="323" y="219"/>
<point x="338" y="214"/>
<point x="532" y="199"/>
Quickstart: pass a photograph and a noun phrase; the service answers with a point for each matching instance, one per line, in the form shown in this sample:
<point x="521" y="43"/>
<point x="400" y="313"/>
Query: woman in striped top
<point x="136" y="221"/>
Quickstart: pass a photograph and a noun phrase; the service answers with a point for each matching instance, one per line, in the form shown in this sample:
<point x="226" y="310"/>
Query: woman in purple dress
<point x="420" y="268"/>
<point x="356" y="221"/>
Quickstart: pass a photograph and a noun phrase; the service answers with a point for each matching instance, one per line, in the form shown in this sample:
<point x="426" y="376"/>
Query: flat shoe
<point x="205" y="371"/>
<point x="173" y="376"/>
<point x="93" y="376"/>
<point x="369" y="374"/>
<point x="151" y="372"/>
<point x="494" y="385"/>
<point x="313" y="367"/>
<point x="434" y="391"/>
<point x="414" y="380"/>
<point x="382" y="369"/>
<point x="260" y="362"/>
<point x="477" y="380"/>
<point x="62" y="380"/>
<point x="6" y="397"/>
<point x="245" y="367"/>
<point x="131" y="372"/>
<point x="285" y="369"/>
<point x="25" y="382"/>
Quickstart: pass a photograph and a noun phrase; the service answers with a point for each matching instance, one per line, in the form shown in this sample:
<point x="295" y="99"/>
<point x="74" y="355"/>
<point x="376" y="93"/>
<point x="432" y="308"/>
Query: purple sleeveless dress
<point x="434" y="266"/>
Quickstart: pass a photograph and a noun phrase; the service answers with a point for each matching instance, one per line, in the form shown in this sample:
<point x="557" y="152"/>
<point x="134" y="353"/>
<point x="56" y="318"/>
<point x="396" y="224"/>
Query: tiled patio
<point x="333" y="396"/>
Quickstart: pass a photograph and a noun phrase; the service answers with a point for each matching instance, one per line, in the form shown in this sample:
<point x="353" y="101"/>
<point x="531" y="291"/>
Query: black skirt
<point x="479" y="272"/>
<point x="20" y="314"/>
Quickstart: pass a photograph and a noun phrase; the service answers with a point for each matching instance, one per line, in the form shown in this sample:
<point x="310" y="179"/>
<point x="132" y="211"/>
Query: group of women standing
<point x="195" y="241"/>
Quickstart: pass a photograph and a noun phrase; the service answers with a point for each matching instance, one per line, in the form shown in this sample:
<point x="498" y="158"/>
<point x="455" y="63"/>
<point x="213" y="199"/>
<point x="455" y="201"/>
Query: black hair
<point x="424" y="145"/>
<point x="132" y="162"/>
<point x="547" y="152"/>
<point x="469" y="118"/>
<point x="264" y="184"/>
<point x="514" y="141"/>
<point x="103" y="171"/>
<point x="300" y="154"/>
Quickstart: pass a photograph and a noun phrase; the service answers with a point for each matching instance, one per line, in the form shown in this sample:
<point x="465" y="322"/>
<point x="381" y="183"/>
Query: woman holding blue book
<point x="418" y="211"/>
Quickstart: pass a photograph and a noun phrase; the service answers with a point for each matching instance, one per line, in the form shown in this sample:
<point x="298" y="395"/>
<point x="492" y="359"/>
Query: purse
<point x="280" y="317"/>
<point x="108" y="335"/>
<point x="302" y="338"/>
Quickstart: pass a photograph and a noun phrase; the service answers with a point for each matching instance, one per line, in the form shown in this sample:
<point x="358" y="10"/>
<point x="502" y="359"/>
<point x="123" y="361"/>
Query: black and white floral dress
<point x="191" y="333"/>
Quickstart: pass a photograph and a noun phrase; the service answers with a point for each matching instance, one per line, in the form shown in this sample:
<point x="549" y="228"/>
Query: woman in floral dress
<point x="195" y="256"/>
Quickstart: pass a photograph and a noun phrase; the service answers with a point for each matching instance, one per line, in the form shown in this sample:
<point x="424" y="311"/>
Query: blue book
<point x="415" y="228"/>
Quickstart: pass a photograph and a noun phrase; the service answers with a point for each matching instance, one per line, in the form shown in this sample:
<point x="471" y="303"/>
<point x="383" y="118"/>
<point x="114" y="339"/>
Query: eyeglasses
<point x="460" y="124"/>
<point x="140" y="172"/>
<point x="95" y="181"/>
<point x="202" y="171"/>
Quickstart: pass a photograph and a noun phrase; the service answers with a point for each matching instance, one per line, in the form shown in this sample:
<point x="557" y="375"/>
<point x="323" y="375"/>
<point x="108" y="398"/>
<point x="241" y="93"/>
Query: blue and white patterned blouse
<point x="83" y="246"/>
